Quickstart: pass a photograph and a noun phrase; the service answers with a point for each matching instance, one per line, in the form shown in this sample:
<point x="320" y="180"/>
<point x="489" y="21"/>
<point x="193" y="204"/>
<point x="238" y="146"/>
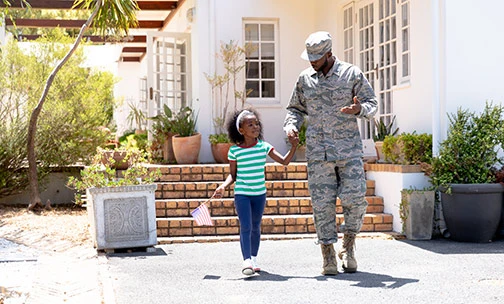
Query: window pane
<point x="267" y="32"/>
<point x="254" y="85"/>
<point x="268" y="70"/>
<point x="253" y="70"/>
<point x="268" y="89"/>
<point x="254" y="48"/>
<point x="405" y="65"/>
<point x="405" y="38"/>
<point x="405" y="15"/>
<point x="267" y="51"/>
<point x="251" y="32"/>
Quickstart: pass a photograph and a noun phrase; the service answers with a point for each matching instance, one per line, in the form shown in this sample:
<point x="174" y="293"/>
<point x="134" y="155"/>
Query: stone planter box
<point x="122" y="217"/>
<point x="417" y="212"/>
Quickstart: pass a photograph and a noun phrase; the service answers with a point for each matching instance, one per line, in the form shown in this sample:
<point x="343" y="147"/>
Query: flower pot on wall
<point x="417" y="214"/>
<point x="186" y="149"/>
<point x="168" y="154"/>
<point x="300" y="155"/>
<point x="220" y="152"/>
<point x="122" y="217"/>
<point x="379" y="151"/>
<point x="472" y="211"/>
<point x="118" y="157"/>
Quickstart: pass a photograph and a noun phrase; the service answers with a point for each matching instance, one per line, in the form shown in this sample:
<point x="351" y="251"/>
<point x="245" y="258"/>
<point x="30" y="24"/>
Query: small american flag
<point x="202" y="216"/>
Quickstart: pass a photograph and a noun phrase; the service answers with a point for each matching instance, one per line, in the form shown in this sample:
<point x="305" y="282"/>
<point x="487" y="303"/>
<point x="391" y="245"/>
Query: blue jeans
<point x="250" y="210"/>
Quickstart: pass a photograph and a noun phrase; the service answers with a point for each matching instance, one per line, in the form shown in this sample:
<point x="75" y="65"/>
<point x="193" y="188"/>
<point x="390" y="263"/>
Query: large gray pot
<point x="472" y="211"/>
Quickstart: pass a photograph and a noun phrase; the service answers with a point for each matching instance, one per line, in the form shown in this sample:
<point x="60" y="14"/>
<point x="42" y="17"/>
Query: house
<point x="424" y="58"/>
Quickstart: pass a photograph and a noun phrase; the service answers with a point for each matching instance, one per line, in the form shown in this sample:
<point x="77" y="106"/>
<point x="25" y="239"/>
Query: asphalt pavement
<point x="390" y="271"/>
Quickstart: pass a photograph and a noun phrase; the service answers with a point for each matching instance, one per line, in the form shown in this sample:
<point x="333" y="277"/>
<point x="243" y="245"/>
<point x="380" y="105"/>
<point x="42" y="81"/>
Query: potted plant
<point x="120" y="205"/>
<point x="301" y="148"/>
<point x="163" y="132"/>
<point x="408" y="148"/>
<point x="463" y="172"/>
<point x="382" y="129"/>
<point x="186" y="141"/>
<point x="136" y="117"/>
<point x="224" y="85"/>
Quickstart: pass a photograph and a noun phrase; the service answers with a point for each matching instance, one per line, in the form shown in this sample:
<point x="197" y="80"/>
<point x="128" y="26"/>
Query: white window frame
<point x="349" y="19"/>
<point x="266" y="100"/>
<point x="404" y="4"/>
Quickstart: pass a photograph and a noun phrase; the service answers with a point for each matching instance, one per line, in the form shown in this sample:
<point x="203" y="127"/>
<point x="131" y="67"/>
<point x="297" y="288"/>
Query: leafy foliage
<point x="102" y="174"/>
<point x="184" y="123"/>
<point x="408" y="148"/>
<point x="79" y="106"/>
<point x="471" y="149"/>
<point x="382" y="129"/>
<point x="218" y="138"/>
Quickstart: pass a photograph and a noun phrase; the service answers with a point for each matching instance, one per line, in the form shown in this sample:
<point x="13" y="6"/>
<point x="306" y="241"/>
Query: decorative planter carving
<point x="122" y="217"/>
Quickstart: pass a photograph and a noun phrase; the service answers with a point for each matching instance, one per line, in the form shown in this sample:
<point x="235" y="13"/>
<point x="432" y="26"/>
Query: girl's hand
<point x="219" y="192"/>
<point x="294" y="140"/>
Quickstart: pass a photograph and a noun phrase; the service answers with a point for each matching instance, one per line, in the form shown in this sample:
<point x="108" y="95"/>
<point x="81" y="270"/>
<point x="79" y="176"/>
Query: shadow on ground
<point x="447" y="246"/>
<point x="361" y="279"/>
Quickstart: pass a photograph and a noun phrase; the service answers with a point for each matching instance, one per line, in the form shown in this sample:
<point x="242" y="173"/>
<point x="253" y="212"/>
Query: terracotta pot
<point x="118" y="156"/>
<point x="220" y="152"/>
<point x="186" y="149"/>
<point x="168" y="154"/>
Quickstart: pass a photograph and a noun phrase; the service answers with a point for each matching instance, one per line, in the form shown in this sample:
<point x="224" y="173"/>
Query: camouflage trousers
<point x="328" y="180"/>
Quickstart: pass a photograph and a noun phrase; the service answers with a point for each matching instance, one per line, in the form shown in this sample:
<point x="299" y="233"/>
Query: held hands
<point x="353" y="109"/>
<point x="293" y="137"/>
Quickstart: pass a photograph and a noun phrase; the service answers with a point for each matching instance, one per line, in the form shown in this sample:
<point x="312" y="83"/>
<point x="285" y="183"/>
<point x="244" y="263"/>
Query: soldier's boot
<point x="330" y="266"/>
<point x="347" y="253"/>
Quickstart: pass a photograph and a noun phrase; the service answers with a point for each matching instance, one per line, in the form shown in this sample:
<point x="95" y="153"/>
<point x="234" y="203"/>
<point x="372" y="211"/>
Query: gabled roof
<point x="153" y="15"/>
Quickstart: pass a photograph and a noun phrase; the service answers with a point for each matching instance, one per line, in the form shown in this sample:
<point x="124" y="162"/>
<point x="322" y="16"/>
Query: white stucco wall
<point x="221" y="21"/>
<point x="473" y="53"/>
<point x="128" y="88"/>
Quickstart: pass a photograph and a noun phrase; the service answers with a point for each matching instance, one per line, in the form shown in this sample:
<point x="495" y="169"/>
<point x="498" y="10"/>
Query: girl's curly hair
<point x="233" y="133"/>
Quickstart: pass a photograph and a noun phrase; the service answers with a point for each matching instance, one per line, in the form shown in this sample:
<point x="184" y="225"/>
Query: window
<point x="405" y="31"/>
<point x="348" y="28"/>
<point x="261" y="62"/>
<point x="382" y="50"/>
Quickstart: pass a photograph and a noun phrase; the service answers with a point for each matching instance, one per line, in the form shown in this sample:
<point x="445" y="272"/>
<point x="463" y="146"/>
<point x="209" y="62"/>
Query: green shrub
<point x="408" y="148"/>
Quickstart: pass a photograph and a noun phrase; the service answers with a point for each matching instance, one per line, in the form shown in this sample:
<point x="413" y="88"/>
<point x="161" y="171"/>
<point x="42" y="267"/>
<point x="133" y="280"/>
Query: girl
<point x="247" y="159"/>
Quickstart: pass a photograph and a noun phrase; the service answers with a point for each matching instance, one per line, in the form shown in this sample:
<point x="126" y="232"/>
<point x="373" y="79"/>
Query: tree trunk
<point x="32" y="128"/>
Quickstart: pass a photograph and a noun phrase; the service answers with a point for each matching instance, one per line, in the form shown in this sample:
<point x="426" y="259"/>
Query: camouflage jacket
<point x="331" y="135"/>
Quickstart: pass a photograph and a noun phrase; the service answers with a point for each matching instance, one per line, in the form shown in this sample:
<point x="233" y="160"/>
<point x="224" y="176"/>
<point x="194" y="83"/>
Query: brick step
<point x="271" y="224"/>
<point x="275" y="188"/>
<point x="219" y="172"/>
<point x="278" y="206"/>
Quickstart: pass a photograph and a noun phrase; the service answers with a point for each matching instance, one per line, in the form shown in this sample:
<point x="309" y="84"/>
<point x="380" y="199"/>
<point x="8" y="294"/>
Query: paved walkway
<point x="390" y="271"/>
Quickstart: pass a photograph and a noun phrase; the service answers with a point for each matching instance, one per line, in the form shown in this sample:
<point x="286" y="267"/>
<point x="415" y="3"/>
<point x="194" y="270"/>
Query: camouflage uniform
<point x="333" y="143"/>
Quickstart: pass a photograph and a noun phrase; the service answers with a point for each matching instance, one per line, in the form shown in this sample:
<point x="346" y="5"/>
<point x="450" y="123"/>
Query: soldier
<point x="333" y="94"/>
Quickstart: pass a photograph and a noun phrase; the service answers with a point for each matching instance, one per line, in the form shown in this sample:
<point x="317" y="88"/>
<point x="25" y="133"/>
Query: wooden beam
<point x="37" y="23"/>
<point x="68" y="4"/>
<point x="98" y="39"/>
<point x="134" y="49"/>
<point x="131" y="59"/>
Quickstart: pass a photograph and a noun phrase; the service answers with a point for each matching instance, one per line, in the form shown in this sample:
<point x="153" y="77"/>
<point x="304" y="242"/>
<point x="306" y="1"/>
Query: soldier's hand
<point x="353" y="109"/>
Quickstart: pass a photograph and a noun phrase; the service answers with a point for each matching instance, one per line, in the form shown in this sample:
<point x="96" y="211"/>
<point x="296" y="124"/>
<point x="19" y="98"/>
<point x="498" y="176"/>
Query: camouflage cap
<point x="317" y="44"/>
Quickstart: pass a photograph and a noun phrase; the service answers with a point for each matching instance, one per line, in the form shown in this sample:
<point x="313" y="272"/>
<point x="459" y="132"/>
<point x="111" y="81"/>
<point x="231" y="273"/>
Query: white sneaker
<point x="255" y="265"/>
<point x="247" y="268"/>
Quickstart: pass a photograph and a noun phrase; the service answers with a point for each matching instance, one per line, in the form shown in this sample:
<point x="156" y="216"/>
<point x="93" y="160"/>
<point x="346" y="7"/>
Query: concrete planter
<point x="122" y="217"/>
<point x="417" y="214"/>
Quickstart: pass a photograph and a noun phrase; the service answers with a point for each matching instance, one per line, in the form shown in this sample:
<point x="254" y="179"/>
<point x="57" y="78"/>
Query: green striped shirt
<point x="250" y="163"/>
